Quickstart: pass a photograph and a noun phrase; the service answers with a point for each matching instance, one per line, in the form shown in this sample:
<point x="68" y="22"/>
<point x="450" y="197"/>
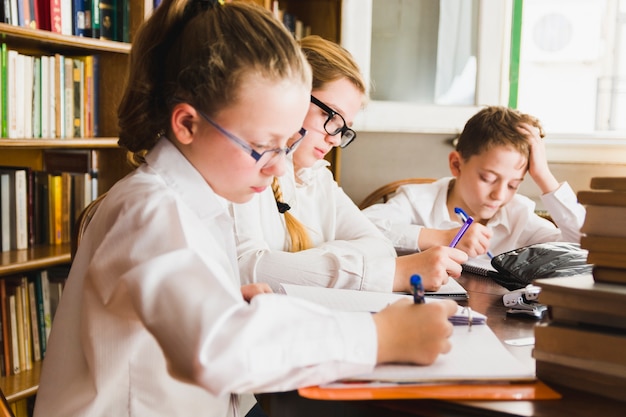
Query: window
<point x="572" y="66"/>
<point x="430" y="64"/>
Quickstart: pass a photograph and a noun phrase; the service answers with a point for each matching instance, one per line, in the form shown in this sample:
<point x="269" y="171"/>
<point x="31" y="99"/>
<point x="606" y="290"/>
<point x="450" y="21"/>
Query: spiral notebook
<point x="480" y="266"/>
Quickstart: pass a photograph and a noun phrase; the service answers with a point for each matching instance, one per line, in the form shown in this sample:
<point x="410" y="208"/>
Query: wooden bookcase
<point x="112" y="165"/>
<point x="322" y="15"/>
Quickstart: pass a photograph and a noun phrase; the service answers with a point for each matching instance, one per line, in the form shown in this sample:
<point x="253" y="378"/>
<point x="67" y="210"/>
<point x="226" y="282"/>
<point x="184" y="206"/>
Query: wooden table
<point x="486" y="298"/>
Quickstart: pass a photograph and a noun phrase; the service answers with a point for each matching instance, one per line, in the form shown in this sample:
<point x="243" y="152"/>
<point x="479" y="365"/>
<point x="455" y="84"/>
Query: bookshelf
<point x="23" y="151"/>
<point x="323" y="16"/>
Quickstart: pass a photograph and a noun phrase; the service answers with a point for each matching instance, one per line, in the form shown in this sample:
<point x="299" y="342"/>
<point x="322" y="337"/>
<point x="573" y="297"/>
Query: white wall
<point x="375" y="159"/>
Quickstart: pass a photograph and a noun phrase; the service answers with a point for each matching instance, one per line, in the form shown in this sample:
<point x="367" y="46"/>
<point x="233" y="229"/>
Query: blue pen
<point x="461" y="232"/>
<point x="464" y="217"/>
<point x="418" y="289"/>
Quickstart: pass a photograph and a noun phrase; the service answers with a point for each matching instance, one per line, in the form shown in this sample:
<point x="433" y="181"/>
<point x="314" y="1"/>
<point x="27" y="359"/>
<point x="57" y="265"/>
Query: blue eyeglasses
<point x="267" y="158"/>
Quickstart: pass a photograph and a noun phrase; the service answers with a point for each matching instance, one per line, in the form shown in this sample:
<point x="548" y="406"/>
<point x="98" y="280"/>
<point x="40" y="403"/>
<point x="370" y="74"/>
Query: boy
<point x="497" y="147"/>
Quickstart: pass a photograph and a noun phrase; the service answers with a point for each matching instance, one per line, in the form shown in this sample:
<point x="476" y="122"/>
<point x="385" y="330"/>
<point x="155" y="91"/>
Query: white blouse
<point x="349" y="252"/>
<point x="152" y="321"/>
<point x="417" y="206"/>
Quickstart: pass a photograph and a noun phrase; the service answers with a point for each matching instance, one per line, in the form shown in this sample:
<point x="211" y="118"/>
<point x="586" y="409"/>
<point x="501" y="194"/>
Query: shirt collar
<point x="183" y="178"/>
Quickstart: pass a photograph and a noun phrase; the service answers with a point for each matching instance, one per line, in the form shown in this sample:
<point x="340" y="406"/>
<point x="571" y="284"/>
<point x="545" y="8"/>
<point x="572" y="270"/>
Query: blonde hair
<point x="329" y="62"/>
<point x="299" y="238"/>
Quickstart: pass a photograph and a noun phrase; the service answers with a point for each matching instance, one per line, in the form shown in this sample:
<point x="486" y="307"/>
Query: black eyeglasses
<point x="267" y="158"/>
<point x="335" y="123"/>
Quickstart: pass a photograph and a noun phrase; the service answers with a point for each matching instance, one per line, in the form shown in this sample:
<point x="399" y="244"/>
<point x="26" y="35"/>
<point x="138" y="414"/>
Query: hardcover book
<point x="608" y="183"/>
<point x="582" y="293"/>
<point x="605" y="221"/>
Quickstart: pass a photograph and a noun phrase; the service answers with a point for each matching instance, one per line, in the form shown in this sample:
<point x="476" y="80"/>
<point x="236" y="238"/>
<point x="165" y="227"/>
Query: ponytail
<point x="298" y="235"/>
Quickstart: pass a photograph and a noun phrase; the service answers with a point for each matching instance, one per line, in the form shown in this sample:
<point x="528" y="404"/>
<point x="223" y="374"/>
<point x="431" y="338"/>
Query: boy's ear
<point x="454" y="161"/>
<point x="184" y="122"/>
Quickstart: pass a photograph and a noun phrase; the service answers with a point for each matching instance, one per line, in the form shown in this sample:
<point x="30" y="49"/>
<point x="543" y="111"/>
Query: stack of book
<point x="584" y="343"/>
<point x="605" y="228"/>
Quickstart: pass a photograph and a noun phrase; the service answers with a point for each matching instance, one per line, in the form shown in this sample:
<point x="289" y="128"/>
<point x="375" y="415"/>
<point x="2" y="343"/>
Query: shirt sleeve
<point x="567" y="213"/>
<point x="398" y="220"/>
<point x="355" y="256"/>
<point x="185" y="296"/>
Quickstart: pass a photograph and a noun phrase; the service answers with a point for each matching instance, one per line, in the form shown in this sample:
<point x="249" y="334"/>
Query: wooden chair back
<point x="383" y="193"/>
<point x="5" y="408"/>
<point x="83" y="221"/>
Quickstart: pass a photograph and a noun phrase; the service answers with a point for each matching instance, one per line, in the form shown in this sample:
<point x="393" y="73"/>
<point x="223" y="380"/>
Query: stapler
<point x="523" y="301"/>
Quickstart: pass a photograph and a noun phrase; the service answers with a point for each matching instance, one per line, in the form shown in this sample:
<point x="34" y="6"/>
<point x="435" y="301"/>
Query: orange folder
<point x="502" y="392"/>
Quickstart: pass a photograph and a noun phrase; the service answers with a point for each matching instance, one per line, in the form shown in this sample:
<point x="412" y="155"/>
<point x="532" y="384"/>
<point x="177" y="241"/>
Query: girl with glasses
<point x="154" y="320"/>
<point x="306" y="230"/>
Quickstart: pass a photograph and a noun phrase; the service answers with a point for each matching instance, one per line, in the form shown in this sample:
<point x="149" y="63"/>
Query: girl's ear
<point x="454" y="161"/>
<point x="184" y="121"/>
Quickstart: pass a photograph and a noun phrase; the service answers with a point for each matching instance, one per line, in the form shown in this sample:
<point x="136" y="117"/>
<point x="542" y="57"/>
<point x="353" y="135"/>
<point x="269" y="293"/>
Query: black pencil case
<point x="519" y="267"/>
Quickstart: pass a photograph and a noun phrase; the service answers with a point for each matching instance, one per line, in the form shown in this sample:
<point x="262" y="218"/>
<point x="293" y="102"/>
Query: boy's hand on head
<point x="435" y="265"/>
<point x="248" y="291"/>
<point x="538" y="161"/>
<point x="415" y="333"/>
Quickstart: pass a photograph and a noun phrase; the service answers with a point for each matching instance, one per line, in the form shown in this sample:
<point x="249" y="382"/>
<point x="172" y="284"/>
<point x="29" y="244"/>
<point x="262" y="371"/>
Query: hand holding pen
<point x="467" y="220"/>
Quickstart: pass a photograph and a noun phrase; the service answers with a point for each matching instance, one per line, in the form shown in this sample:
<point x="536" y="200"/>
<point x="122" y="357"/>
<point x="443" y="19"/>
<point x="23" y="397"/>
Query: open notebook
<point x="452" y="290"/>
<point x="352" y="300"/>
<point x="477" y="354"/>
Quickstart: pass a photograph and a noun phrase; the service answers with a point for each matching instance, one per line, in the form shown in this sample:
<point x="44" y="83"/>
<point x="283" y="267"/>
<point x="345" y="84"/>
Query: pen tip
<point x="415" y="279"/>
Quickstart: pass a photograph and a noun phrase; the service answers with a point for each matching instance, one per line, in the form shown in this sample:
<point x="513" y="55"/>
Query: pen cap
<point x="416" y="280"/>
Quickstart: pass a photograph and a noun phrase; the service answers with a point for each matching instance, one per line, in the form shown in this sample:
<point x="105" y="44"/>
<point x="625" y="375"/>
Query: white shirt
<point x="152" y="321"/>
<point x="349" y="252"/>
<point x="417" y="206"/>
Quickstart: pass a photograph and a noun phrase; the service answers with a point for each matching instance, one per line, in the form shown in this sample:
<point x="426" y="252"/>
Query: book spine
<point x="34" y="321"/>
<point x="88" y="96"/>
<point x="36" y="102"/>
<point x="59" y="95"/>
<point x="6" y="15"/>
<point x="15" y="353"/>
<point x="5" y="210"/>
<point x="55" y="210"/>
<point x="81" y="14"/>
<point x="27" y="94"/>
<point x="42" y="8"/>
<point x="14" y="14"/>
<point x="20" y="12"/>
<point x="66" y="205"/>
<point x="21" y="209"/>
<point x="68" y="87"/>
<point x="12" y="59"/>
<point x="27" y="341"/>
<point x="4" y="312"/>
<point x="96" y="95"/>
<point x="41" y="313"/>
<point x="53" y="99"/>
<point x="66" y="17"/>
<point x="78" y="94"/>
<point x="5" y="87"/>
<point x="45" y="291"/>
<point x="108" y="27"/>
<point x="56" y="25"/>
<point x="95" y="19"/>
<point x="19" y="323"/>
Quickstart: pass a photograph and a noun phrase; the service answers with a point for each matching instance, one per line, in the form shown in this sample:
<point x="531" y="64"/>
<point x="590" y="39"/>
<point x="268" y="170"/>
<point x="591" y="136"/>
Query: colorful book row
<point x="41" y="207"/>
<point x="27" y="305"/>
<point x="99" y="19"/>
<point x="44" y="96"/>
